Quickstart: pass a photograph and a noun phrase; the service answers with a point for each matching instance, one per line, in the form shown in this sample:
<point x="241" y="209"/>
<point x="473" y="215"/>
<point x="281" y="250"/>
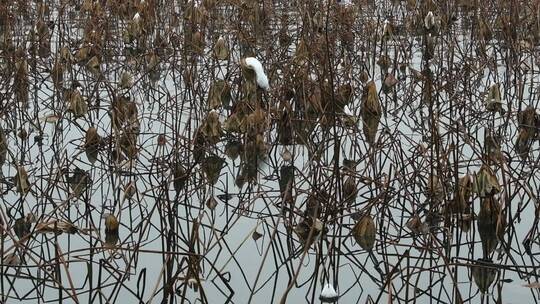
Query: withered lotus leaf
<point x="486" y="183"/>
<point x="22" y="227"/>
<point x="483" y="276"/>
<point x="371" y="111"/>
<point x="221" y="51"/>
<point x="211" y="203"/>
<point x="180" y="177"/>
<point x="211" y="167"/>
<point x="308" y="230"/>
<point x="111" y="230"/>
<point x="219" y="94"/>
<point x="487" y="224"/>
<point x="77" y="104"/>
<point x="93" y="65"/>
<point x="233" y="148"/>
<point x="349" y="190"/>
<point x="493" y="99"/>
<point x="21" y="180"/>
<point x="364" y="232"/>
<point x="523" y="143"/>
<point x="211" y="128"/>
<point x="91" y="144"/>
<point x="3" y="147"/>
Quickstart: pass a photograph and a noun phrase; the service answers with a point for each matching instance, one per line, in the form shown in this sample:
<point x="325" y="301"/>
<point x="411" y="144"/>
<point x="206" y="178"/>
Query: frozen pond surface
<point x="202" y="187"/>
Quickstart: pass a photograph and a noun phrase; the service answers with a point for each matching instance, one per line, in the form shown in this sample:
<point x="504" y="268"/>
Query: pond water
<point x="203" y="187"/>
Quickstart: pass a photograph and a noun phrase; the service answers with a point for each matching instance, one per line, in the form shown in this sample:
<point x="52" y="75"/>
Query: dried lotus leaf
<point x="364" y="232"/>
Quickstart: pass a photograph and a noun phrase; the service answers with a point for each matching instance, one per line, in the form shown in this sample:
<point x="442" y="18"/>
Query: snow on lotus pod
<point x="364" y="232"/>
<point x="483" y="275"/>
<point x="371" y="111"/>
<point x="486" y="183"/>
<point x="219" y="94"/>
<point x="252" y="69"/>
<point x="328" y="294"/>
<point x="221" y="50"/>
<point x="211" y="167"/>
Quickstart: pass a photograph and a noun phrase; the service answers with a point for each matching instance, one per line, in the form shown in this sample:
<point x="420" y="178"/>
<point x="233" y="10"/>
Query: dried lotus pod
<point x="92" y="141"/>
<point x="371" y="112"/>
<point x="211" y="166"/>
<point x="286" y="182"/>
<point x="483" y="275"/>
<point x="486" y="183"/>
<point x="364" y="232"/>
<point x="197" y="42"/>
<point x="492" y="144"/>
<point x="221" y="50"/>
<point x="389" y="82"/>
